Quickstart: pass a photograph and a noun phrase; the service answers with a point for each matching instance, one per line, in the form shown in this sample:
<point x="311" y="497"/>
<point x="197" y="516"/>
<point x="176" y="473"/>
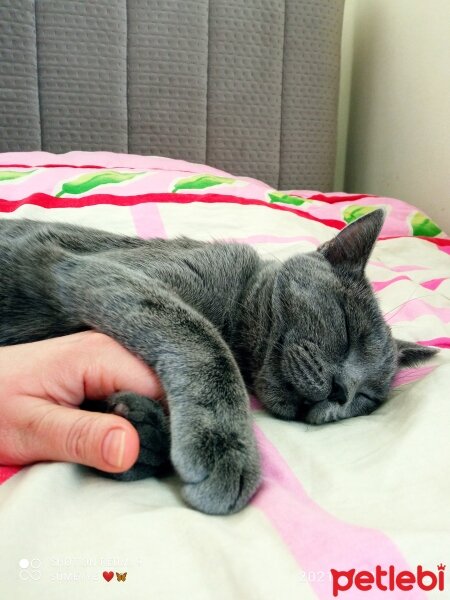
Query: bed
<point x="351" y="495"/>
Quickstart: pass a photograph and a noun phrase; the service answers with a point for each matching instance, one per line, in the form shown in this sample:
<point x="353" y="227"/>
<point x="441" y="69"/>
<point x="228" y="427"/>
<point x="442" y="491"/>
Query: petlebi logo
<point x="388" y="579"/>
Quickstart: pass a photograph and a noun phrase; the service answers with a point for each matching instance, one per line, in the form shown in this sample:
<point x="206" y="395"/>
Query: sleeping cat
<point x="306" y="336"/>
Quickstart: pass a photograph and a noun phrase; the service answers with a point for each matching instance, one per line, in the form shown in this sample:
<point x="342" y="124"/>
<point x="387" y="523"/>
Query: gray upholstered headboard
<point x="249" y="86"/>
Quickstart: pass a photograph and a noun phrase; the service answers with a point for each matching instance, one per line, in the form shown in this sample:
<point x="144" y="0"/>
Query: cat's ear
<point x="410" y="353"/>
<point x="352" y="246"/>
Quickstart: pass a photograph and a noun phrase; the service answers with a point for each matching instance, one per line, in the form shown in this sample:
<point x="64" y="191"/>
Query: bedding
<point x="346" y="496"/>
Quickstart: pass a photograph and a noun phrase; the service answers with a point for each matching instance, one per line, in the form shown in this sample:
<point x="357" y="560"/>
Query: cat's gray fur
<point x="307" y="336"/>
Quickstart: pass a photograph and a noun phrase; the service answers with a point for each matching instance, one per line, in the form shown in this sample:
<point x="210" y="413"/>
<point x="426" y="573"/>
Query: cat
<point x="306" y="336"/>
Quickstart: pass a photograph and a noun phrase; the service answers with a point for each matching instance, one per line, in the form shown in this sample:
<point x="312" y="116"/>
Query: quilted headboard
<point x="249" y="86"/>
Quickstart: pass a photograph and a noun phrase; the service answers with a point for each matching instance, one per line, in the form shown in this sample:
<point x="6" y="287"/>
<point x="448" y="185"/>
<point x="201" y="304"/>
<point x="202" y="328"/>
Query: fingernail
<point x="114" y="447"/>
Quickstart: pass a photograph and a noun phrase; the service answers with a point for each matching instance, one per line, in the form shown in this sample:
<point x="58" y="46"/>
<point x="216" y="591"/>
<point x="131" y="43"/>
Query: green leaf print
<point x="83" y="184"/>
<point x="352" y="212"/>
<point x="423" y="225"/>
<point x="200" y="182"/>
<point x="10" y="175"/>
<point x="286" y="198"/>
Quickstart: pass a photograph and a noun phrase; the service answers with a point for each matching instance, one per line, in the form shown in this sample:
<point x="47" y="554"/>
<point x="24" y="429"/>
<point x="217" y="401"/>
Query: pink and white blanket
<point x="336" y="498"/>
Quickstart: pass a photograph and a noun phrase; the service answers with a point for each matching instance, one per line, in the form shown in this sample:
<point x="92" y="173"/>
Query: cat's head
<point x="331" y="354"/>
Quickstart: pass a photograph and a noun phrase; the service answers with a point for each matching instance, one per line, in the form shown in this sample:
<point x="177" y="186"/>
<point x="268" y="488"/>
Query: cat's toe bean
<point x="148" y="418"/>
<point x="120" y="409"/>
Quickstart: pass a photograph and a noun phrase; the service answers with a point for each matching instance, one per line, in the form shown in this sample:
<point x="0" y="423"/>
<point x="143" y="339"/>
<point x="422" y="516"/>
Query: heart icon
<point x="108" y="575"/>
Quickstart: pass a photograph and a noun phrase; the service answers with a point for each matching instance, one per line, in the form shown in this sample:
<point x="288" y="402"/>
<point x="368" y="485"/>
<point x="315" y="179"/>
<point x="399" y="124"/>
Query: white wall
<point x="394" y="114"/>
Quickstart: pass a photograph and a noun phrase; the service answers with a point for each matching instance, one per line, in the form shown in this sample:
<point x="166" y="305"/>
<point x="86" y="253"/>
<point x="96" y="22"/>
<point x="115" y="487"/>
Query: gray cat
<point x="306" y="336"/>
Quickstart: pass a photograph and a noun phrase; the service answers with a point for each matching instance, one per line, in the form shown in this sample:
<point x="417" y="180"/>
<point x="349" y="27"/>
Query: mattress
<point x="340" y="504"/>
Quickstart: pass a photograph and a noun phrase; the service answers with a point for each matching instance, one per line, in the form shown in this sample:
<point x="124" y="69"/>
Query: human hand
<point x="42" y="385"/>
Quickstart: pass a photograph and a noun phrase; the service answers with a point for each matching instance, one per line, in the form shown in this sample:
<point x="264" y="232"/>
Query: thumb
<point x="106" y="442"/>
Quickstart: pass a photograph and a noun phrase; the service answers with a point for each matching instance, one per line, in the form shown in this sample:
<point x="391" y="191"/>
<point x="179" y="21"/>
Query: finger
<point x="51" y="432"/>
<point x="113" y="368"/>
<point x="69" y="369"/>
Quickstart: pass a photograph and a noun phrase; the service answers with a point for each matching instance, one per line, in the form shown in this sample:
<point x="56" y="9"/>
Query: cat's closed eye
<point x="347" y="333"/>
<point x="370" y="397"/>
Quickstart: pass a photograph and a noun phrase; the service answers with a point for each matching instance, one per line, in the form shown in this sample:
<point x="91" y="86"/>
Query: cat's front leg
<point x="212" y="443"/>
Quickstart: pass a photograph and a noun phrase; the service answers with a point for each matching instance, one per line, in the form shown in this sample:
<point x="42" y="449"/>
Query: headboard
<point x="249" y="86"/>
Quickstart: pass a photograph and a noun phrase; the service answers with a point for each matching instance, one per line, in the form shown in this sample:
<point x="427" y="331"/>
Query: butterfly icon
<point x="121" y="576"/>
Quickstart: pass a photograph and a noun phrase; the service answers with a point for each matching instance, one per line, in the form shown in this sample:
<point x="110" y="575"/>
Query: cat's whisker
<point x="261" y="254"/>
<point x="267" y="253"/>
<point x="255" y="317"/>
<point x="400" y="306"/>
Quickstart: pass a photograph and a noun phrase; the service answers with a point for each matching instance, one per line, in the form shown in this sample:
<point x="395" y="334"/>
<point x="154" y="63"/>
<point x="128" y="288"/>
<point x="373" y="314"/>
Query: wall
<point x="394" y="114"/>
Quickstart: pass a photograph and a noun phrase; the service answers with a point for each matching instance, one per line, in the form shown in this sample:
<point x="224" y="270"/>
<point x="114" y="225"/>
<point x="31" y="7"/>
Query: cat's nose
<point x="338" y="392"/>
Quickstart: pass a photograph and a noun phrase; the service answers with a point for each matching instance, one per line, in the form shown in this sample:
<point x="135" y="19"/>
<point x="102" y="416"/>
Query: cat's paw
<point x="220" y="469"/>
<point x="148" y="418"/>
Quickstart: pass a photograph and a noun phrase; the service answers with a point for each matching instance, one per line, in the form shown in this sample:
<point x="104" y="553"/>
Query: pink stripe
<point x="147" y="221"/>
<point x="441" y="342"/>
<point x="400" y="268"/>
<point x="432" y="284"/>
<point x="413" y="309"/>
<point x="318" y="540"/>
<point x="380" y="285"/>
<point x="276" y="239"/>
<point x="405" y="376"/>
